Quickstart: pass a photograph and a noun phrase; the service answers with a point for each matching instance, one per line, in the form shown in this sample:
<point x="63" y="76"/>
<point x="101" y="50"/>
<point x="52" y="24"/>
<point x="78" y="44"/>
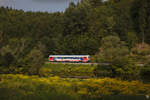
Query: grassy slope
<point x="67" y="70"/>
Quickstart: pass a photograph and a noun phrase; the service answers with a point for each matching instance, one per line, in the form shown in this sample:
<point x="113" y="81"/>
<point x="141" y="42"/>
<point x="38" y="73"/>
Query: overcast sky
<point x="37" y="5"/>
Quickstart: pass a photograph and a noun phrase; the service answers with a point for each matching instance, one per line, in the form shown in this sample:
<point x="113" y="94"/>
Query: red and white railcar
<point x="69" y="58"/>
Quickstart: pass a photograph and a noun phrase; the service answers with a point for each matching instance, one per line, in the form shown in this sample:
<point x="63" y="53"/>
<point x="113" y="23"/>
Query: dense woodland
<point x="108" y="30"/>
<point x="115" y="32"/>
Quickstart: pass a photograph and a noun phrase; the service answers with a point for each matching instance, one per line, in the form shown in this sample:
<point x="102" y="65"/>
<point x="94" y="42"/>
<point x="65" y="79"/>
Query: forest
<point x="116" y="32"/>
<point x="107" y="30"/>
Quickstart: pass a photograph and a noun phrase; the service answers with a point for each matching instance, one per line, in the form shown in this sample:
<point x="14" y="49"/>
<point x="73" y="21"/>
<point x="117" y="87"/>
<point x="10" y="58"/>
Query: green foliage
<point x="88" y="21"/>
<point x="116" y="54"/>
<point x="7" y="59"/>
<point x="126" y="71"/>
<point x="145" y="73"/>
<point x="34" y="61"/>
<point x="132" y="39"/>
<point x="94" y="19"/>
<point x="16" y="87"/>
<point x="141" y="49"/>
<point x="141" y="18"/>
<point x="112" y="51"/>
<point x="78" y="30"/>
<point x="68" y="70"/>
<point x="141" y="53"/>
<point x="114" y="26"/>
<point x="95" y="3"/>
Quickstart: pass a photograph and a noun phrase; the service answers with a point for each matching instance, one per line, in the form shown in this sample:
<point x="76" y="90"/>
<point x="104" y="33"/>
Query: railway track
<point x="80" y="63"/>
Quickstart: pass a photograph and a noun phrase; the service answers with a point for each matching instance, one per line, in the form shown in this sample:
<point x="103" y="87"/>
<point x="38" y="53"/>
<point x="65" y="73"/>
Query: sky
<point x="37" y="5"/>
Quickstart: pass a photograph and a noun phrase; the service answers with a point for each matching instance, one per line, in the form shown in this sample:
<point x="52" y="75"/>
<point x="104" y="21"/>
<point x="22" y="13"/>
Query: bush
<point x="141" y="53"/>
<point x="7" y="60"/>
<point x="112" y="50"/>
<point x="127" y="71"/>
<point x="103" y="71"/>
<point x="145" y="73"/>
<point x="34" y="61"/>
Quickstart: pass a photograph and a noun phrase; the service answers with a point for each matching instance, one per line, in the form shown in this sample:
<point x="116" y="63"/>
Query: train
<point x="69" y="58"/>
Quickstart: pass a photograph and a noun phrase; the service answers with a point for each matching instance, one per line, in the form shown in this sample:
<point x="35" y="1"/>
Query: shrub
<point x="103" y="71"/>
<point x="145" y="73"/>
<point x="112" y="50"/>
<point x="141" y="53"/>
<point x="126" y="70"/>
<point x="34" y="61"/>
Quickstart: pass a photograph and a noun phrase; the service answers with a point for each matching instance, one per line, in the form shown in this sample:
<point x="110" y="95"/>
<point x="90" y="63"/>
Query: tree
<point x="115" y="53"/>
<point x="141" y="17"/>
<point x="142" y="20"/>
<point x="1" y="37"/>
<point x="7" y="59"/>
<point x="75" y="19"/>
<point x="34" y="61"/>
<point x="95" y="3"/>
<point x="132" y="39"/>
<point x="112" y="50"/>
<point x="102" y="22"/>
<point x="141" y="53"/>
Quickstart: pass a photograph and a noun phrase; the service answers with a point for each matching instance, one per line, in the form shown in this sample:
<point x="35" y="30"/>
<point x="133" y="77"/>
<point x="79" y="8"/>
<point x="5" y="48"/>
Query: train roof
<point x="68" y="55"/>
